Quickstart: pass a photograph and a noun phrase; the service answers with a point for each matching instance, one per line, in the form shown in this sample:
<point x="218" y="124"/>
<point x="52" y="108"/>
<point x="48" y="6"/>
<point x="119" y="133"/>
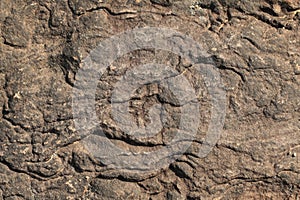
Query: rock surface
<point x="255" y="45"/>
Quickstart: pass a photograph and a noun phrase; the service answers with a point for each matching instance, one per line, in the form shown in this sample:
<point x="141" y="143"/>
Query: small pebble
<point x="277" y="8"/>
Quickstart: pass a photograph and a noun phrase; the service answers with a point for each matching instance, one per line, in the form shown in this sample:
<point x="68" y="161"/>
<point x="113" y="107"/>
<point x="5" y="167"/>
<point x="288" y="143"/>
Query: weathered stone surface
<point x="255" y="47"/>
<point x="115" y="189"/>
<point x="15" y="32"/>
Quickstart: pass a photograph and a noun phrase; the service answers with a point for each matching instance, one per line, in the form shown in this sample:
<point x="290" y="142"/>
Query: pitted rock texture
<point x="255" y="45"/>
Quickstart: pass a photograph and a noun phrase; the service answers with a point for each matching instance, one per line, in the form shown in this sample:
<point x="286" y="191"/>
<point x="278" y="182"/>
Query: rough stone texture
<point x="256" y="47"/>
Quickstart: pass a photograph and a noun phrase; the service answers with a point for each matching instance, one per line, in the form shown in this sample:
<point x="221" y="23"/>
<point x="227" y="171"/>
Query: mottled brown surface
<point x="255" y="45"/>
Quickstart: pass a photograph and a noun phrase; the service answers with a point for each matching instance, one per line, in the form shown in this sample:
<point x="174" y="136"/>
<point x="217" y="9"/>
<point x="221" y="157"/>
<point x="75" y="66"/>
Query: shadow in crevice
<point x="68" y="61"/>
